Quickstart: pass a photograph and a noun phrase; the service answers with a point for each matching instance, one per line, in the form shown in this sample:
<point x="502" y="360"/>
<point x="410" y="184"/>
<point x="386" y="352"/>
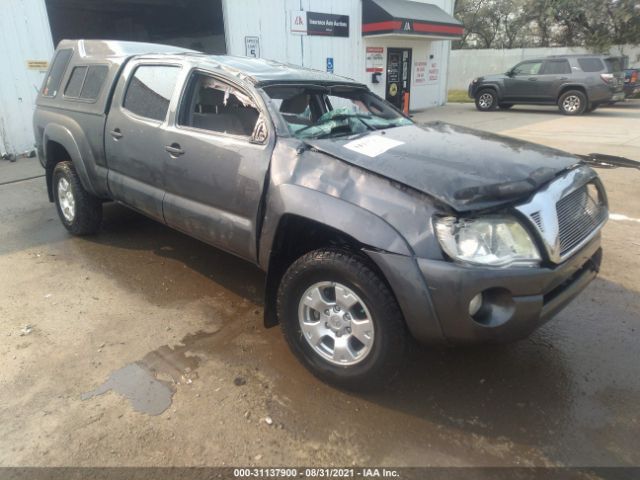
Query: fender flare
<point x="354" y="221"/>
<point x="62" y="135"/>
<point x="492" y="86"/>
<point x="572" y="86"/>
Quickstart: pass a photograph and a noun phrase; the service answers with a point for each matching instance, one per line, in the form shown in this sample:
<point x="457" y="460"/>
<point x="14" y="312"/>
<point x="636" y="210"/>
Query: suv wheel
<point x="79" y="211"/>
<point x="573" y="102"/>
<point x="341" y="320"/>
<point x="486" y="100"/>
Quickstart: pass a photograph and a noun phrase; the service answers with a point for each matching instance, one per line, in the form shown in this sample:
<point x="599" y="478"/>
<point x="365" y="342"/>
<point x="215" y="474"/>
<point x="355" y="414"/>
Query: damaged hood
<point x="464" y="168"/>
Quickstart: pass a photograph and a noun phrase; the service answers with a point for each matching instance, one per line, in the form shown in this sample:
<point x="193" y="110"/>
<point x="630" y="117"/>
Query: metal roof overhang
<point x="407" y="18"/>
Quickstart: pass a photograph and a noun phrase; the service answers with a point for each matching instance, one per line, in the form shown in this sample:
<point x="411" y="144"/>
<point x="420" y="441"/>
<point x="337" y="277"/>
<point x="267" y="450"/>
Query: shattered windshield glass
<point x="324" y="112"/>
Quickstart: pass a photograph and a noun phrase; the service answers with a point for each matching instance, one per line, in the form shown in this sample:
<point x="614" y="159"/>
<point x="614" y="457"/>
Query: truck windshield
<point x="324" y="112"/>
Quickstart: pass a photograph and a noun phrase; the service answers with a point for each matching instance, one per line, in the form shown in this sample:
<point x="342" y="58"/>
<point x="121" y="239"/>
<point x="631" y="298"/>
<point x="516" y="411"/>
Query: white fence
<point x="465" y="65"/>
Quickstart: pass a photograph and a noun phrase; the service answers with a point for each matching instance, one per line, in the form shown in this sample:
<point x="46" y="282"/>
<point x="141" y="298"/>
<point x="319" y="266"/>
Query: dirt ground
<point x="171" y="330"/>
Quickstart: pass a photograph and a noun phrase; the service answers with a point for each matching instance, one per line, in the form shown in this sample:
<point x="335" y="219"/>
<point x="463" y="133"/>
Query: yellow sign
<point x="393" y="89"/>
<point x="37" y="64"/>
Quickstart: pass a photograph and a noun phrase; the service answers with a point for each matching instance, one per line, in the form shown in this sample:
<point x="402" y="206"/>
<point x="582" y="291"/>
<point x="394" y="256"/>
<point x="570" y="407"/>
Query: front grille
<point x="579" y="214"/>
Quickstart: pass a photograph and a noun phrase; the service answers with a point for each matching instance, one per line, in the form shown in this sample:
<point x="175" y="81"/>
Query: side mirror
<point x="509" y="73"/>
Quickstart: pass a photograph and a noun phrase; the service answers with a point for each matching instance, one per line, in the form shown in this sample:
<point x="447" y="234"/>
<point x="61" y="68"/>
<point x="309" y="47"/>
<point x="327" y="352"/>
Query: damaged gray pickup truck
<point x="371" y="229"/>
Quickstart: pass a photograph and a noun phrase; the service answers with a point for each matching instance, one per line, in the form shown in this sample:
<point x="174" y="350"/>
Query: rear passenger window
<point x="556" y="67"/>
<point x="590" y="64"/>
<point x="59" y="65"/>
<point x="150" y="90"/>
<point x="217" y="106"/>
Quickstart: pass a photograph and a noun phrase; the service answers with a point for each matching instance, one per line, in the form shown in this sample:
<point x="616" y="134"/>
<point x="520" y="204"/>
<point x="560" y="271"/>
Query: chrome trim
<point x="541" y="212"/>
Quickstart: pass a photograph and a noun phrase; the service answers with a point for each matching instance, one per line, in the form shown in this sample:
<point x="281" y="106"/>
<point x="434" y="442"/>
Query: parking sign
<point x="330" y="64"/>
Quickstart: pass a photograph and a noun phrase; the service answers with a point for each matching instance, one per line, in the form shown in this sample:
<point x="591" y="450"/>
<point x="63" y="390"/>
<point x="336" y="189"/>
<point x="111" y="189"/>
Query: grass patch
<point x="458" y="96"/>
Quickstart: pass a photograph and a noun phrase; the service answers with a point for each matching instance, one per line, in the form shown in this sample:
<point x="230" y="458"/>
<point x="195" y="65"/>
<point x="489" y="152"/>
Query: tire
<point x="505" y="106"/>
<point x="323" y="277"/>
<point x="572" y="102"/>
<point x="486" y="100"/>
<point x="79" y="211"/>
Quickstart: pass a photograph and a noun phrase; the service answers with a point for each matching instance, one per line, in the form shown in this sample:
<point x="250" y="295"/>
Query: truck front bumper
<point x="516" y="301"/>
<point x="434" y="295"/>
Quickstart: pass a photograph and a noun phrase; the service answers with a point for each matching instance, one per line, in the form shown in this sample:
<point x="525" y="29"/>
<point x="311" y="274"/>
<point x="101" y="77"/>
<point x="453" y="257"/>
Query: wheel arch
<point x="300" y="220"/>
<point x="490" y="86"/>
<point x="60" y="145"/>
<point x="566" y="88"/>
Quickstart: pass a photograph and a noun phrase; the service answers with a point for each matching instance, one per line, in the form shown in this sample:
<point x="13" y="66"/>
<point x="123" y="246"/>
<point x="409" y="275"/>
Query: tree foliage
<point x="595" y="24"/>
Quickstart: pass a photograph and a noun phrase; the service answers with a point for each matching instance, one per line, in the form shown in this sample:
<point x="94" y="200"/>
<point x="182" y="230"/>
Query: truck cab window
<point x="210" y="104"/>
<point x="150" y="90"/>
<point x="527" y="68"/>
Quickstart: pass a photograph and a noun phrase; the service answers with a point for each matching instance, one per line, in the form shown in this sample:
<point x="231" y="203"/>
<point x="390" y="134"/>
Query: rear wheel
<point x="486" y="100"/>
<point x="79" y="211"/>
<point x="341" y="320"/>
<point x="573" y="102"/>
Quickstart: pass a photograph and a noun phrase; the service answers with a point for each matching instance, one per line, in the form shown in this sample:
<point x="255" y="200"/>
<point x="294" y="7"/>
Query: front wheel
<point x="573" y="102"/>
<point x="341" y="320"/>
<point x="486" y="100"/>
<point x="79" y="211"/>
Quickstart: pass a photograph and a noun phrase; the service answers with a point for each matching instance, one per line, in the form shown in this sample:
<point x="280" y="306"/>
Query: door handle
<point x="174" y="149"/>
<point x="116" y="133"/>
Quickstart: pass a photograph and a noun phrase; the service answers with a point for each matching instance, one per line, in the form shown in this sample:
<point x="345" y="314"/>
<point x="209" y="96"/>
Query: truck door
<point x="554" y="75"/>
<point x="214" y="164"/>
<point x="134" y="136"/>
<point x="522" y="84"/>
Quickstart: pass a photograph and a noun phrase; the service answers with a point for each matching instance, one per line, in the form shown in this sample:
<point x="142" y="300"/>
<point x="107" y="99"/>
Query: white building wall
<point x="270" y="21"/>
<point x="468" y="64"/>
<point x="24" y="35"/>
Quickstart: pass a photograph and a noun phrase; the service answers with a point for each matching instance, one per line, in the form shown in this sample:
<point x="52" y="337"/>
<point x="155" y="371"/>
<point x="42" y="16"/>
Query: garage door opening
<point x="195" y="24"/>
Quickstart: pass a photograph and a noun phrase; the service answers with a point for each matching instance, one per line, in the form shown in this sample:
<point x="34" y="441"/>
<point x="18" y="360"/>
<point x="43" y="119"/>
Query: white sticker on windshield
<point x="372" y="145"/>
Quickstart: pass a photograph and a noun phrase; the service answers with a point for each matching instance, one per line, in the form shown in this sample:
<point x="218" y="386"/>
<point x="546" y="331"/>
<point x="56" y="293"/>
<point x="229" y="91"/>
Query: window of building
<point x="527" y="68"/>
<point x="210" y="104"/>
<point x="556" y="67"/>
<point x="150" y="90"/>
<point x="590" y="64"/>
<point x="58" y="67"/>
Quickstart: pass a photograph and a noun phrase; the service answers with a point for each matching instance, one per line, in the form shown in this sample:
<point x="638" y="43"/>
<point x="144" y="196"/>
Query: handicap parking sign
<point x="330" y="64"/>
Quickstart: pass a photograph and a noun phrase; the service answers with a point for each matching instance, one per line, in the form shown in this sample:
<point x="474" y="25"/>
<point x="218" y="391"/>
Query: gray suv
<point x="575" y="83"/>
<point x="371" y="229"/>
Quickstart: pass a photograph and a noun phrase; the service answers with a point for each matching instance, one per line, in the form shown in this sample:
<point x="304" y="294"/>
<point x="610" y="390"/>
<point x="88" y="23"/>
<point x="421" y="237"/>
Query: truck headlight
<point x="491" y="240"/>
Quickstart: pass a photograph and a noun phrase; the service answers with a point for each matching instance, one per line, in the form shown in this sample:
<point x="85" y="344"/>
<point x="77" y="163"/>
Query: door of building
<point x="398" y="75"/>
